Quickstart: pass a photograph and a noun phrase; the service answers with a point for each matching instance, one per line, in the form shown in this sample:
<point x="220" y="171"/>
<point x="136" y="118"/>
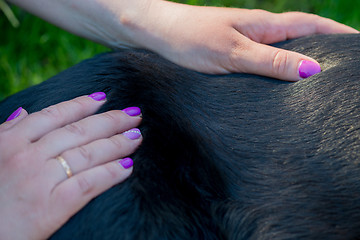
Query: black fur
<point x="225" y="157"/>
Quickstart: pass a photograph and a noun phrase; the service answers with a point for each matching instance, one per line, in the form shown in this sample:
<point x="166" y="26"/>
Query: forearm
<point x="205" y="39"/>
<point x="116" y="24"/>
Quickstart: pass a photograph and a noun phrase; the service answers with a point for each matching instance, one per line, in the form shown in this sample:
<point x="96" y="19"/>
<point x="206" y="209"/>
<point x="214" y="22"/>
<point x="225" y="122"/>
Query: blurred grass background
<point x="36" y="50"/>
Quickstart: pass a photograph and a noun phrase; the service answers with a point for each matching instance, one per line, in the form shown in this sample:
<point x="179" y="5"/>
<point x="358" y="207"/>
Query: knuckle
<point x="298" y="16"/>
<point x="302" y="14"/>
<point x="52" y="112"/>
<point x="79" y="104"/>
<point x="280" y="62"/>
<point x="112" y="116"/>
<point x="84" y="184"/>
<point x="75" y="128"/>
<point x="111" y="171"/>
<point x="58" y="111"/>
<point x="18" y="162"/>
<point x="117" y="142"/>
<point x="86" y="154"/>
<point x="38" y="149"/>
<point x="263" y="16"/>
<point x="260" y="12"/>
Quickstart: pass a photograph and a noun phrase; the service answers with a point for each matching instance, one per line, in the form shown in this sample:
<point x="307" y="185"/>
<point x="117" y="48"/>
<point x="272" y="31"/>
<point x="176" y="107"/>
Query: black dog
<point x="225" y="157"/>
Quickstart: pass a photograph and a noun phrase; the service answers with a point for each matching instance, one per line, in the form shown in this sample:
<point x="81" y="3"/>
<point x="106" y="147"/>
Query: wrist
<point x="132" y="22"/>
<point x="115" y="24"/>
<point x="150" y="26"/>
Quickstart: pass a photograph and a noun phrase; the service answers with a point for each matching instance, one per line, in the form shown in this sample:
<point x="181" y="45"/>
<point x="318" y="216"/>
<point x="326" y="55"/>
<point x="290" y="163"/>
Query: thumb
<point x="278" y="63"/>
<point x="14" y="118"/>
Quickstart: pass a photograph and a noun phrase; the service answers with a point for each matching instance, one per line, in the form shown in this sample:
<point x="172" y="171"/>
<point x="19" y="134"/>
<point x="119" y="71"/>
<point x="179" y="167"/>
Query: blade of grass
<point x="9" y="14"/>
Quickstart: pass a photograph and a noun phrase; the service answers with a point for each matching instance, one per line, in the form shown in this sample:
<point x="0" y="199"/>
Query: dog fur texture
<point x="224" y="157"/>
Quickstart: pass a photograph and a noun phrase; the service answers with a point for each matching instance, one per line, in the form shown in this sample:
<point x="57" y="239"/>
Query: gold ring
<point x="65" y="165"/>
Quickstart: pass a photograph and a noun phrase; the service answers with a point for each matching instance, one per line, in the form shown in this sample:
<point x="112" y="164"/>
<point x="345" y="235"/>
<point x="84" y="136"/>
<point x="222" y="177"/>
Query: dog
<point x="234" y="156"/>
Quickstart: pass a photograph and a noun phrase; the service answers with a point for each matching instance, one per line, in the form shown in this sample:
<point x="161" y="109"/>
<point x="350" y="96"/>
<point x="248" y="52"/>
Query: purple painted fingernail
<point x="132" y="111"/>
<point x="132" y="134"/>
<point x="126" y="163"/>
<point x="14" y="114"/>
<point x="308" y="68"/>
<point x="98" y="96"/>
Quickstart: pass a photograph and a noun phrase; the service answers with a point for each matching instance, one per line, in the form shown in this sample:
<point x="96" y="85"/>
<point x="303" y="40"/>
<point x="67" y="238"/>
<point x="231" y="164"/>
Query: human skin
<point x="37" y="197"/>
<point x="206" y="39"/>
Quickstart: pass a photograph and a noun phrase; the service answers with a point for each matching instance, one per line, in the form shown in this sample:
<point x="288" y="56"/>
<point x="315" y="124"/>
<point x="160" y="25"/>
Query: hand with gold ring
<point x="53" y="162"/>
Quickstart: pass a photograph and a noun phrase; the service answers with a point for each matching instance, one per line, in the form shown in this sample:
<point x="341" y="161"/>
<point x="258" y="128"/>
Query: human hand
<point x="206" y="39"/>
<point x="37" y="194"/>
<point x="226" y="40"/>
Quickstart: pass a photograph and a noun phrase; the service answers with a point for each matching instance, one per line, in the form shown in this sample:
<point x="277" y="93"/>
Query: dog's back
<point x="225" y="157"/>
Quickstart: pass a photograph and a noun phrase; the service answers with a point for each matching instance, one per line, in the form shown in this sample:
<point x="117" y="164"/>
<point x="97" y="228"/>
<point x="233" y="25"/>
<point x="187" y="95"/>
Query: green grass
<point x="37" y="50"/>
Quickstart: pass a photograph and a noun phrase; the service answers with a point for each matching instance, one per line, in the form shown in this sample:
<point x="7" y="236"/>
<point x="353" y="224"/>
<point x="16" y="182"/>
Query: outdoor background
<point x="36" y="50"/>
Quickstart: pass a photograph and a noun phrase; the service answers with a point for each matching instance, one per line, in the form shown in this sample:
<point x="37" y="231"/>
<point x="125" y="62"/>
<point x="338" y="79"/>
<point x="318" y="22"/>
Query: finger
<point x="303" y="24"/>
<point x="14" y="118"/>
<point x="272" y="27"/>
<point x="38" y="124"/>
<point x="14" y="141"/>
<point x="85" y="131"/>
<point x="273" y="62"/>
<point x="74" y="193"/>
<point x="94" y="154"/>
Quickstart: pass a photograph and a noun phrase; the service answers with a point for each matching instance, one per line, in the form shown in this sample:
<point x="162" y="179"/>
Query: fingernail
<point x="132" y="111"/>
<point x="132" y="134"/>
<point x="126" y="163"/>
<point x="308" y="68"/>
<point x="98" y="96"/>
<point x="15" y="114"/>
